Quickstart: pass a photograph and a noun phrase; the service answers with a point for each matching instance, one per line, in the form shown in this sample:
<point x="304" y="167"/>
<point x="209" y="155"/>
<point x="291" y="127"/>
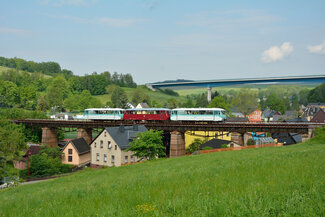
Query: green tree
<point x="46" y="163"/>
<point x="317" y="94"/>
<point x="42" y="104"/>
<point x="9" y="94"/>
<point x="246" y="101"/>
<point x="119" y="98"/>
<point x="12" y="143"/>
<point x="219" y="102"/>
<point x="202" y="100"/>
<point x="57" y="91"/>
<point x="28" y="97"/>
<point x="148" y="145"/>
<point x="275" y="103"/>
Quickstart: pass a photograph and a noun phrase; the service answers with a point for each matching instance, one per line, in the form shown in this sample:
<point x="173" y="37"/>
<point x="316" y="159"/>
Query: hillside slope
<point x="5" y="69"/>
<point x="281" y="181"/>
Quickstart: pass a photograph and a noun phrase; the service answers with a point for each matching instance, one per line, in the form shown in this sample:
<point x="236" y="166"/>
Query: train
<point x="154" y="114"/>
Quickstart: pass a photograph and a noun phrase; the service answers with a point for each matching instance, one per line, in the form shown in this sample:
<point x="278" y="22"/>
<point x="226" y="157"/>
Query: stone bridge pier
<point x="50" y="136"/>
<point x="177" y="144"/>
<point x="308" y="135"/>
<point x="85" y="133"/>
<point x="239" y="138"/>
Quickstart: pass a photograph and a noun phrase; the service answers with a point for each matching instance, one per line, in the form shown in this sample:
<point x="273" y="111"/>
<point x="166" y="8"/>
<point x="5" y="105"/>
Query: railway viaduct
<point x="238" y="130"/>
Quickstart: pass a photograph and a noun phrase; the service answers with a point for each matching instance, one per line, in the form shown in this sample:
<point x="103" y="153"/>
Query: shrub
<point x="250" y="142"/>
<point x="207" y="148"/>
<point x="194" y="146"/>
<point x="224" y="146"/>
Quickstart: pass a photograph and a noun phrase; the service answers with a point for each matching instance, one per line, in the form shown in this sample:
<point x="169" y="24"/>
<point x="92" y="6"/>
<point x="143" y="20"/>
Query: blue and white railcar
<point x="102" y="114"/>
<point x="198" y="114"/>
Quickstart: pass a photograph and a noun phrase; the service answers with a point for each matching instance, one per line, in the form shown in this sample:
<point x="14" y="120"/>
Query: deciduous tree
<point x="148" y="145"/>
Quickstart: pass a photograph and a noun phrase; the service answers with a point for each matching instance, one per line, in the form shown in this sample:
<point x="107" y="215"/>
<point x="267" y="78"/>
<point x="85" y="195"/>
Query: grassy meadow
<point x="276" y="181"/>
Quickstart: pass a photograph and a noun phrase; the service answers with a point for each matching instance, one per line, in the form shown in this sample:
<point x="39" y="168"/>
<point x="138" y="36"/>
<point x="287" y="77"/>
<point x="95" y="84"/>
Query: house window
<point x="113" y="158"/>
<point x="69" y="151"/>
<point x="105" y="134"/>
<point x="131" y="158"/>
<point x="101" y="143"/>
<point x="115" y="147"/>
<point x="95" y="144"/>
<point x="97" y="156"/>
<point x="69" y="158"/>
<point x="109" y="145"/>
<point x="126" y="159"/>
<point x="105" y="157"/>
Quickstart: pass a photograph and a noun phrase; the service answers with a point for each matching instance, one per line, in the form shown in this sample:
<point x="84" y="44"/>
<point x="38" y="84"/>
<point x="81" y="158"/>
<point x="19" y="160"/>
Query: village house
<point x="108" y="148"/>
<point x="76" y="152"/>
<point x="319" y="117"/>
<point x="32" y="150"/>
<point x="142" y="105"/>
<point x="311" y="110"/>
<point x="255" y="116"/>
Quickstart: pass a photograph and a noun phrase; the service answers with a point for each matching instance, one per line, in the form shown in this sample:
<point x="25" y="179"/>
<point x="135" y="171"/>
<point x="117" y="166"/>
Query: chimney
<point x="135" y="127"/>
<point x="121" y="129"/>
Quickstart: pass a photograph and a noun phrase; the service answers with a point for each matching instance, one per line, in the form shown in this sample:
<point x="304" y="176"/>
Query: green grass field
<point x="278" y="181"/>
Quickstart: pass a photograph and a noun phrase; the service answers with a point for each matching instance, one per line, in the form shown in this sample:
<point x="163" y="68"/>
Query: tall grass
<point x="279" y="181"/>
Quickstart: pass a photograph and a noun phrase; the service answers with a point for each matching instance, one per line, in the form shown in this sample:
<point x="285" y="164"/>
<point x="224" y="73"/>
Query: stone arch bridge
<point x="176" y="129"/>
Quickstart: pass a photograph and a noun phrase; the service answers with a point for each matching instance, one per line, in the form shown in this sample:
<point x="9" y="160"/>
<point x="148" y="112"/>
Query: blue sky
<point x="162" y="40"/>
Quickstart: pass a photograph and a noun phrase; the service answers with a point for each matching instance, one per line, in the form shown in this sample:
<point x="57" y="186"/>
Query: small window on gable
<point x="101" y="143"/>
<point x="105" y="134"/>
<point x="95" y="144"/>
<point x="109" y="145"/>
<point x="115" y="147"/>
<point x="69" y="158"/>
<point x="69" y="151"/>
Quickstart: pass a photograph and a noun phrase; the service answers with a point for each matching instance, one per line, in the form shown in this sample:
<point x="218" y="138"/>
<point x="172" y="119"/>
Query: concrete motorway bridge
<point x="215" y="83"/>
<point x="239" y="130"/>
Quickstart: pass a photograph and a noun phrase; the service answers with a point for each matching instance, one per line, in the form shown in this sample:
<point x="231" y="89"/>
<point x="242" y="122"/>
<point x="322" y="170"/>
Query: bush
<point x="224" y="146"/>
<point x="46" y="163"/>
<point x="194" y="146"/>
<point x="207" y="148"/>
<point x="250" y="142"/>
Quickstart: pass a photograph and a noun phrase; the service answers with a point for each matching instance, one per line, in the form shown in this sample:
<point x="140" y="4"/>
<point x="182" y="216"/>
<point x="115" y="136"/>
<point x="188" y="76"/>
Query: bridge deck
<point x="181" y="126"/>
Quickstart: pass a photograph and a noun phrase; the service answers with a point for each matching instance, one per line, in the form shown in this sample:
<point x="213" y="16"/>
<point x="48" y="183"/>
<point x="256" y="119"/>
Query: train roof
<point x="198" y="109"/>
<point x="104" y="109"/>
<point x="149" y="109"/>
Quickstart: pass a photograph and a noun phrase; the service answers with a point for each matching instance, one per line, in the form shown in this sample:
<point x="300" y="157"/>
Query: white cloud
<point x="276" y="53"/>
<point x="318" y="49"/>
